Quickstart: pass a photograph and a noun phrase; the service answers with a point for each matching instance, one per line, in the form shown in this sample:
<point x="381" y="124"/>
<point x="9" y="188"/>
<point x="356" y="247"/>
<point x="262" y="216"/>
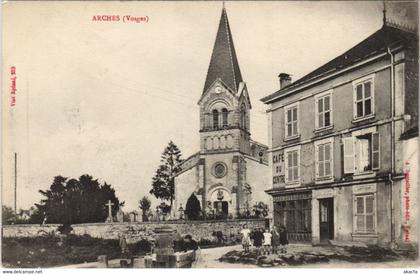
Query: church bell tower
<point x="224" y="128"/>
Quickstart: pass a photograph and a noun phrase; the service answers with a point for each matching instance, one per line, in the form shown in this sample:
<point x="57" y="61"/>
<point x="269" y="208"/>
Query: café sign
<point x="278" y="167"/>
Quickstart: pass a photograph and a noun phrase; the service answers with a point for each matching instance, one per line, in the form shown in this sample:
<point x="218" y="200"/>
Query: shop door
<point x="326" y="219"/>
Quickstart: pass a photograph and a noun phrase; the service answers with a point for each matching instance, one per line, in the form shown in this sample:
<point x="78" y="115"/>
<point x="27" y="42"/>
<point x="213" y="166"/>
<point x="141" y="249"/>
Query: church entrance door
<point x="222" y="209"/>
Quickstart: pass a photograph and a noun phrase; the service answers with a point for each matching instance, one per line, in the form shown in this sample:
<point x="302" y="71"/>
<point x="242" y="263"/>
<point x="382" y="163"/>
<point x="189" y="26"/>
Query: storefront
<point x="294" y="212"/>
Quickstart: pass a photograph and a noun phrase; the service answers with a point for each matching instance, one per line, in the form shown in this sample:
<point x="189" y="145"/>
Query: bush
<point x="141" y="247"/>
<point x="65" y="229"/>
<point x="50" y="250"/>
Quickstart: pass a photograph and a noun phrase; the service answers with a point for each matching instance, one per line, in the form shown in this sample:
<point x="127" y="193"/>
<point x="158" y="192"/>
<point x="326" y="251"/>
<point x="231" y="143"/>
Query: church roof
<point x="224" y="63"/>
<point x="374" y="44"/>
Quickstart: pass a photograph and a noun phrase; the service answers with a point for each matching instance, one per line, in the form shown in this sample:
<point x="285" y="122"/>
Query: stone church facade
<point x="230" y="172"/>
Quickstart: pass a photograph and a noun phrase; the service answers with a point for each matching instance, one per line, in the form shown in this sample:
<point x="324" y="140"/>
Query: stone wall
<point x="28" y="230"/>
<point x="137" y="231"/>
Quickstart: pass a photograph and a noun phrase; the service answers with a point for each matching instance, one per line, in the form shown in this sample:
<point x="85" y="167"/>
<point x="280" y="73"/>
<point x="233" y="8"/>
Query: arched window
<point x="243" y="117"/>
<point x="215" y="118"/>
<point x="224" y="117"/>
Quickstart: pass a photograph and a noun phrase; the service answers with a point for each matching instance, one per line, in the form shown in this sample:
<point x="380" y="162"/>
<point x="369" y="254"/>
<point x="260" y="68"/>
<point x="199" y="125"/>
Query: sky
<point x="105" y="98"/>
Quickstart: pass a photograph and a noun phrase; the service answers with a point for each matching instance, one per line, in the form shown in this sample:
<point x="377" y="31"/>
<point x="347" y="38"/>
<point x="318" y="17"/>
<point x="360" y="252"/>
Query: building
<point x="339" y="141"/>
<point x="230" y="172"/>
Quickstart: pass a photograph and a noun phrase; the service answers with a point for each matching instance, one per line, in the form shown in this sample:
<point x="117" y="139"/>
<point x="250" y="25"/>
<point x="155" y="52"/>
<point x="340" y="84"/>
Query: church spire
<point x="223" y="62"/>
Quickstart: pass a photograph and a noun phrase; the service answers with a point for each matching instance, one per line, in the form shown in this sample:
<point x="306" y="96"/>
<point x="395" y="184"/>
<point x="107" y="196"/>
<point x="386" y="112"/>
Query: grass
<point x="50" y="250"/>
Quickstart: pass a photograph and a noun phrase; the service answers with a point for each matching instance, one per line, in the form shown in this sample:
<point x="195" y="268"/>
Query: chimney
<point x="285" y="80"/>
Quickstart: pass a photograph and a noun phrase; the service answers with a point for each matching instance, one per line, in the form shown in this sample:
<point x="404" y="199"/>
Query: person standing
<point x="189" y="243"/>
<point x="275" y="240"/>
<point x="267" y="242"/>
<point x="283" y="240"/>
<point x="246" y="239"/>
<point x="258" y="237"/>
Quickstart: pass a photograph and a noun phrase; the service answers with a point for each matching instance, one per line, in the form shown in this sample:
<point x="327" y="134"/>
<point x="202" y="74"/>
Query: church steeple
<point x="223" y="62"/>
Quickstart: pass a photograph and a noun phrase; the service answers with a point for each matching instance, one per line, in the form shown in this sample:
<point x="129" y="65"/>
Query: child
<point x="258" y="237"/>
<point x="267" y="242"/>
<point x="275" y="239"/>
<point x="283" y="240"/>
<point x="246" y="240"/>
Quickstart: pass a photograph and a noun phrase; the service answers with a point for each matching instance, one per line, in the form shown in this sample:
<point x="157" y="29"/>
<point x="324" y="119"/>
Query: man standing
<point x="275" y="240"/>
<point x="283" y="240"/>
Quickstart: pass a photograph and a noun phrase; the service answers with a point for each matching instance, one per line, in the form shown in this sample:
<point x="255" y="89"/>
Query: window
<point x="220" y="170"/>
<point x="243" y="117"/>
<point x="292" y="124"/>
<point x="215" y="119"/>
<point x="224" y="117"/>
<point x="295" y="215"/>
<point x="324" y="158"/>
<point x="363" y="98"/>
<point x="292" y="165"/>
<point x="364" y="212"/>
<point x="323" y="106"/>
<point x="361" y="153"/>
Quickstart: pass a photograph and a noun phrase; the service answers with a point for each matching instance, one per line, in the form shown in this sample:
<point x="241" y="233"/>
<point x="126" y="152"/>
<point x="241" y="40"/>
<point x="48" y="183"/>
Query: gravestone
<point x="120" y="216"/>
<point x="133" y="217"/>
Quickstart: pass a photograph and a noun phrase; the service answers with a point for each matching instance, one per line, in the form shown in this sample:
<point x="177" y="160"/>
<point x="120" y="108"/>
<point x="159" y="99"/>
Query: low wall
<point x="137" y="231"/>
<point x="28" y="230"/>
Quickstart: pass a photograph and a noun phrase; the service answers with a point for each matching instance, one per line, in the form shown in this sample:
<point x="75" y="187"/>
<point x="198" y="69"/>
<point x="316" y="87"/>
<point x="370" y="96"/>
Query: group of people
<point x="265" y="241"/>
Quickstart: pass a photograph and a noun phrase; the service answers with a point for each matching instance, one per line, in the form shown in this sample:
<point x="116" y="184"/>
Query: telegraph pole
<point x="15" y="183"/>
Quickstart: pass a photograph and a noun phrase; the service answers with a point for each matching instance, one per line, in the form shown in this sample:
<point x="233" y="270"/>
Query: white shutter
<point x="375" y="151"/>
<point x="316" y="114"/>
<point x="317" y="161"/>
<point x="298" y="164"/>
<point x="348" y="155"/>
<point x="286" y="167"/>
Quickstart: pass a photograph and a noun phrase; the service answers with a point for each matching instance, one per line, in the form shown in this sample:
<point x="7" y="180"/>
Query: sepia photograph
<point x="209" y="134"/>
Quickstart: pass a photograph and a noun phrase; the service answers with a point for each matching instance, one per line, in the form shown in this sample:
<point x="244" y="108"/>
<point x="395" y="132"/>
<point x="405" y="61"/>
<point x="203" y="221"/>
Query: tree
<point x="8" y="215"/>
<point x="71" y="201"/>
<point x="164" y="208"/>
<point x="163" y="181"/>
<point x="193" y="208"/>
<point x="144" y="205"/>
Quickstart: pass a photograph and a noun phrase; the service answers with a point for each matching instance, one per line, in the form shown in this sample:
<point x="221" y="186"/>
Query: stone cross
<point x="109" y="204"/>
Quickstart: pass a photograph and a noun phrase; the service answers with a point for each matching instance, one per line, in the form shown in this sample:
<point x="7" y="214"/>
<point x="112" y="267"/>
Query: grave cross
<point x="109" y="204"/>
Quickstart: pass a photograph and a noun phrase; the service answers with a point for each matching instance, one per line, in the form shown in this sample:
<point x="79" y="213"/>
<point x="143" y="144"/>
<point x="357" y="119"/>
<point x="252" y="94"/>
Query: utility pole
<point x="15" y="183"/>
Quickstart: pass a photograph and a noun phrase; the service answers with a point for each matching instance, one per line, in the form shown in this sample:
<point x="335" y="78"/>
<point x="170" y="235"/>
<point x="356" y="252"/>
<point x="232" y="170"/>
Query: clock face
<point x="218" y="89"/>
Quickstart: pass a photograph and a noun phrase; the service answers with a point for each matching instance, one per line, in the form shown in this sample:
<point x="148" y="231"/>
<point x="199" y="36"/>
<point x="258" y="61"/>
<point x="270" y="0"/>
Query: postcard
<point x="196" y="134"/>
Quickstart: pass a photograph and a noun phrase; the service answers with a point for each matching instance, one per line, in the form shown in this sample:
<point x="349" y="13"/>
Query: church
<point x="230" y="172"/>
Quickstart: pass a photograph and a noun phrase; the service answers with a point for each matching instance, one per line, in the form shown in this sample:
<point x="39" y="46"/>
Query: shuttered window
<point x="324" y="160"/>
<point x="363" y="99"/>
<point x="375" y="151"/>
<point x="361" y="153"/>
<point x="323" y="109"/>
<point x="292" y="166"/>
<point x="348" y="155"/>
<point x="365" y="213"/>
<point x="292" y="122"/>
